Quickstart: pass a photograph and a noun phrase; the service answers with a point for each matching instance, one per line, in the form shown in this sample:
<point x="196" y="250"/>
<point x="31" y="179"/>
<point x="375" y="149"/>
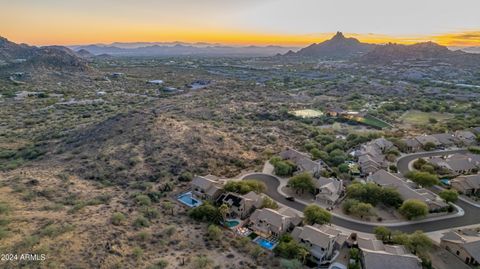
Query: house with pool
<point x="322" y="241"/>
<point x="268" y="222"/>
<point x="207" y="187"/>
<point x="240" y="206"/>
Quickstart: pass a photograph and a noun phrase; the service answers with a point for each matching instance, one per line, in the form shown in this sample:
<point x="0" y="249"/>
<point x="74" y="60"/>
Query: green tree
<point x="302" y="182"/>
<point x="343" y="168"/>
<point x="423" y="179"/>
<point x="316" y="215"/>
<point x="450" y="196"/>
<point x="245" y="186"/>
<point x="267" y="202"/>
<point x="413" y="208"/>
<point x="429" y="146"/>
<point x="206" y="212"/>
<point x="214" y="232"/>
<point x="391" y="197"/>
<point x="362" y="210"/>
<point x="288" y="248"/>
<point x="383" y="233"/>
<point x="224" y="209"/>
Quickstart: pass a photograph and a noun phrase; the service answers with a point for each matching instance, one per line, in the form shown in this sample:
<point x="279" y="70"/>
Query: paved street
<point x="472" y="214"/>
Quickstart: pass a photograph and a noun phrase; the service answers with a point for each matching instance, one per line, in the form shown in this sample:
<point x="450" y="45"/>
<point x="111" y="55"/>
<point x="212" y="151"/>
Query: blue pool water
<point x="231" y="223"/>
<point x="187" y="199"/>
<point x="265" y="243"/>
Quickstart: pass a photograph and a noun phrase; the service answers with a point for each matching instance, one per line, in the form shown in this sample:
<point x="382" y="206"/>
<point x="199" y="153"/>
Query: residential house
<point x="412" y="145"/>
<point x="371" y="156"/>
<point x="328" y="190"/>
<point x="406" y="189"/>
<point x="303" y="161"/>
<point x="207" y="187"/>
<point x="382" y="143"/>
<point x="376" y="255"/>
<point x="240" y="206"/>
<point x="466" y="138"/>
<point x="321" y="240"/>
<point x="428" y="139"/>
<point x="469" y="185"/>
<point x="458" y="163"/>
<point x="269" y="222"/>
<point x="463" y="243"/>
<point x="446" y="139"/>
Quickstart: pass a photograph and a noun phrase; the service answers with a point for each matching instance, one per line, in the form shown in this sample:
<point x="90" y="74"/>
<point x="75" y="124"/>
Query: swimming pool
<point x="264" y="243"/>
<point x="231" y="223"/>
<point x="188" y="199"/>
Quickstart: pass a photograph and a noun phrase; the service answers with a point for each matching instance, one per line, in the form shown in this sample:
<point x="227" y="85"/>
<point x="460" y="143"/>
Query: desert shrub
<point x="245" y="186"/>
<point x="143" y="200"/>
<point x="137" y="253"/>
<point x="202" y="262"/>
<point x="118" y="218"/>
<point x="169" y="230"/>
<point x="141" y="222"/>
<point x="214" y="232"/>
<point x="150" y="213"/>
<point x="143" y="236"/>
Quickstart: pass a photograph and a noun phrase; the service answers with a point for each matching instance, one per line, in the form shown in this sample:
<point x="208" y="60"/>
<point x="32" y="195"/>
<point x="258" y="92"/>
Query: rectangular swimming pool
<point x="264" y="243"/>
<point x="188" y="199"/>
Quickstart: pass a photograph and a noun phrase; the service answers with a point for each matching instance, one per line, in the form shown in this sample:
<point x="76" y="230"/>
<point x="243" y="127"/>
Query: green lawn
<point x="307" y="113"/>
<point x="414" y="117"/>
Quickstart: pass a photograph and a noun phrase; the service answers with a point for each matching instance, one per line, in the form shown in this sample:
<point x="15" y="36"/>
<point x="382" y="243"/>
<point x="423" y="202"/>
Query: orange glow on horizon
<point x="238" y="38"/>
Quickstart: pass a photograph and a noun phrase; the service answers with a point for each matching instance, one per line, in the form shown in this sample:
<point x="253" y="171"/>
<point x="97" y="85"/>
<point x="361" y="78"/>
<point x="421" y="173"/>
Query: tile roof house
<point x="425" y="139"/>
<point x="241" y="206"/>
<point x="321" y="240"/>
<point x="458" y="163"/>
<point x="371" y="156"/>
<point x="466" y="138"/>
<point x="446" y="139"/>
<point x="303" y="161"/>
<point x="412" y="145"/>
<point x="469" y="185"/>
<point x="406" y="190"/>
<point x="376" y="255"/>
<point x="269" y="222"/>
<point x="207" y="187"/>
<point x="463" y="243"/>
<point x="328" y="190"/>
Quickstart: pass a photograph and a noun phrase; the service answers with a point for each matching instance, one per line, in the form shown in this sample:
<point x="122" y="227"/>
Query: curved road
<point x="471" y="216"/>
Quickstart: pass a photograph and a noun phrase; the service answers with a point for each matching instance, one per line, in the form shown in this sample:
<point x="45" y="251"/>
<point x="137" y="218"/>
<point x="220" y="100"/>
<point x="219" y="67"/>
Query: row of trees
<point x="418" y="243"/>
<point x="373" y="194"/>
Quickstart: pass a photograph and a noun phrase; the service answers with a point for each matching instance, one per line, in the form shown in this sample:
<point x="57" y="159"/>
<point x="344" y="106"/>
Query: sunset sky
<point x="259" y="22"/>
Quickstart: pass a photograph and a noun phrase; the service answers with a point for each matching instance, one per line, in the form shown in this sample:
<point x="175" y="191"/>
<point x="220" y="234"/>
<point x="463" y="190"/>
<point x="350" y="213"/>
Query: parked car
<point x="290" y="198"/>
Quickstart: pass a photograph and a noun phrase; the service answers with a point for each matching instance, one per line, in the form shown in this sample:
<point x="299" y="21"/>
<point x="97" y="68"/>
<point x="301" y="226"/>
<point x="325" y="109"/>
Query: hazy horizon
<point x="267" y="22"/>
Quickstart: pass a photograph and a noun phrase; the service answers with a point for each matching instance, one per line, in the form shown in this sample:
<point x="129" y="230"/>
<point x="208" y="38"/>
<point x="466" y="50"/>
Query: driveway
<point x="471" y="216"/>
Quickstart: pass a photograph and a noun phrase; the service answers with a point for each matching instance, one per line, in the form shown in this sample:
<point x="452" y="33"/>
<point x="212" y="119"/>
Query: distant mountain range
<point x="180" y="49"/>
<point x="390" y="53"/>
<point x="338" y="47"/>
<point x="466" y="49"/>
<point x="50" y="57"/>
